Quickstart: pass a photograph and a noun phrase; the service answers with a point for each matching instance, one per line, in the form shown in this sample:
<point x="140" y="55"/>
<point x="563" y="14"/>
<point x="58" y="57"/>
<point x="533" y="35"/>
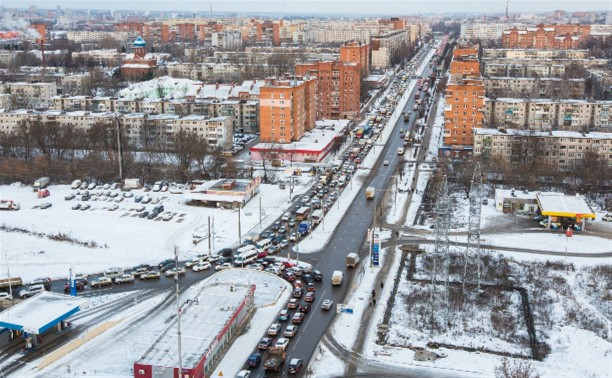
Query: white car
<point x="202" y="265"/>
<point x="607" y="217"/>
<point x="30" y="291"/>
<point x="174" y="271"/>
<point x="126" y="278"/>
<point x="193" y="262"/>
<point x="5" y="297"/>
<point x="224" y="266"/>
<point x="113" y="207"/>
<point x="176" y="191"/>
<point x="386" y="162"/>
<point x="282" y="343"/>
<point x="91" y="186"/>
<point x="274" y="329"/>
<point x="243" y="374"/>
<point x="167" y="217"/>
<point x="139" y="209"/>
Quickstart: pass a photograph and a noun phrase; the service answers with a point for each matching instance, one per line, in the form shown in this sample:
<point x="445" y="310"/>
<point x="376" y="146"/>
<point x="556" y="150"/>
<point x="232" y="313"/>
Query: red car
<point x="297" y="318"/>
<point x="311" y="287"/>
<point x="262" y="254"/>
<point x="310" y="297"/>
<point x="288" y="264"/>
<point x="80" y="285"/>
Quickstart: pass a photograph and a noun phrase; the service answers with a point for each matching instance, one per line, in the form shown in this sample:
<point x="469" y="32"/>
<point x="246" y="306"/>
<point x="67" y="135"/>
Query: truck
<point x="252" y="237"/>
<point x="352" y="259"/>
<point x="41" y="183"/>
<point x="132" y="183"/>
<point x="5" y="283"/>
<point x="275" y="359"/>
<point x="8" y="205"/>
<point x="370" y="191"/>
<point x="337" y="277"/>
<point x="317" y="216"/>
<point x="304" y="228"/>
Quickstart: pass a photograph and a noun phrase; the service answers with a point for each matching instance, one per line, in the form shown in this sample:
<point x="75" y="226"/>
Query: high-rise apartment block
<point x="356" y="52"/>
<point x="546" y="37"/>
<point x="287" y="109"/>
<point x="338" y="88"/>
<point x="386" y="47"/>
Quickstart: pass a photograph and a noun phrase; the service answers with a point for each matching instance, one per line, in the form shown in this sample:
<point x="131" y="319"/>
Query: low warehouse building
<point x="208" y="324"/>
<point x="225" y="193"/>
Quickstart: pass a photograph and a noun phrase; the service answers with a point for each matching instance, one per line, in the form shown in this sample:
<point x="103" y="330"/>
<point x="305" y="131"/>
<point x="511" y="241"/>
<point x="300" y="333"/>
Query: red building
<point x="357" y="52"/>
<point x="546" y="37"/>
<point x="139" y="64"/>
<point x="339" y="88"/>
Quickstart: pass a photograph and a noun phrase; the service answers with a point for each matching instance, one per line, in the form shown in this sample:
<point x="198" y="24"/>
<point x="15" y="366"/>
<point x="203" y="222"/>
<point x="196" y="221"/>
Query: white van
<point x="245" y="257"/>
<point x="76" y="184"/>
<point x="240" y="251"/>
<point x="264" y="244"/>
<point x="337" y="277"/>
<point x="113" y="273"/>
<point x="352" y="259"/>
<point x="342" y="181"/>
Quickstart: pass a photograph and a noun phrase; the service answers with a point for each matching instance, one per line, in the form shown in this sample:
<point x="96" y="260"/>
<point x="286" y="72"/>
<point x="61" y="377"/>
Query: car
<point x="151" y="274"/>
<point x="283" y="243"/>
<point x="202" y="265"/>
<point x="282" y="230"/>
<point x="254" y="360"/>
<point x="124" y="278"/>
<point x="327" y="304"/>
<point x="291" y="223"/>
<point x="298" y="318"/>
<point x="5" y="297"/>
<point x="225" y="252"/>
<point x="138" y="199"/>
<point x="264" y="343"/>
<point x="193" y="262"/>
<point x="101" y="281"/>
<point x="283" y="316"/>
<point x="386" y="162"/>
<point x="214" y="258"/>
<point x="286" y="217"/>
<point x="168" y="217"/>
<point x="294" y="237"/>
<point x="31" y="290"/>
<point x="255" y="266"/>
<point x="282" y="343"/>
<point x="85" y="207"/>
<point x="139" y="209"/>
<point x="224" y="266"/>
<point x="273" y="270"/>
<point x="145" y="200"/>
<point x="80" y="285"/>
<point x="91" y="186"/>
<point x="290" y="331"/>
<point x="167" y="267"/>
<point x="295" y="365"/>
<point x="298" y="283"/>
<point x="165" y="262"/>
<point x="310" y="297"/>
<point x="310" y="287"/>
<point x="307" y="277"/>
<point x="297" y="292"/>
<point x="289" y="276"/>
<point x="318" y="276"/>
<point x="174" y="271"/>
<point x="119" y="199"/>
<point x="305" y="308"/>
<point x="274" y="329"/>
<point x="243" y="374"/>
<point x="607" y="217"/>
<point x="293" y="303"/>
<point x="142" y="268"/>
<point x="113" y="207"/>
<point x="144" y="214"/>
<point x="69" y="197"/>
<point x="45" y="205"/>
<point x="76" y="206"/>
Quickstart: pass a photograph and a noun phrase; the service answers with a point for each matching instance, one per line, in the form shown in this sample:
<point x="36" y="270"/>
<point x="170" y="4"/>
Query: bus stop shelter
<point x="565" y="211"/>
<point x="41" y="313"/>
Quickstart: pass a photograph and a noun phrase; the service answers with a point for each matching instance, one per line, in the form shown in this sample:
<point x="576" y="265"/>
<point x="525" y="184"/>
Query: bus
<point x="317" y="216"/>
<point x="302" y="213"/>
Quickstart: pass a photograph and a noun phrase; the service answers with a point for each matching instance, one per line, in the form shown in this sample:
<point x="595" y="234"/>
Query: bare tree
<point x="515" y="369"/>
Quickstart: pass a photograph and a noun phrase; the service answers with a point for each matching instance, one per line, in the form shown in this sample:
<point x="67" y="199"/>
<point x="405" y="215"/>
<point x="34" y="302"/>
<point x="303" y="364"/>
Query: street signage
<point x="342" y="308"/>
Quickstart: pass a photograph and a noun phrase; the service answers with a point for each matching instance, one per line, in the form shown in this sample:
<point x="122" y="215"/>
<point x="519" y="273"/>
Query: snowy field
<point x="121" y="237"/>
<point x="124" y="343"/>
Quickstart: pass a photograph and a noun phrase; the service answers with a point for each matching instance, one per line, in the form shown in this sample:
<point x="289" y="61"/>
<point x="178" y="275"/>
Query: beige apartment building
<point x="31" y="95"/>
<point x="534" y="54"/>
<point x="385" y="47"/>
<point x="547" y="114"/>
<point x="140" y="129"/>
<point x="563" y="148"/>
<point x="527" y="87"/>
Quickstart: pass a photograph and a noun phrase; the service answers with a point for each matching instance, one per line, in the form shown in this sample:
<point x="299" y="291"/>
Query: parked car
<point x="5" y="297"/>
<point x="45" y="205"/>
<point x="167" y="267"/>
<point x="274" y="329"/>
<point x="85" y="207"/>
<point x="293" y="303"/>
<point x="165" y="262"/>
<point x="290" y="331"/>
<point x="607" y="217"/>
<point x="243" y="374"/>
<point x="224" y="266"/>
<point x="80" y="285"/>
<point x="151" y="274"/>
<point x="125" y="278"/>
<point x="297" y="292"/>
<point x="142" y="268"/>
<point x="101" y="281"/>
<point x="31" y="290"/>
<point x="69" y="197"/>
<point x="167" y="217"/>
<point x="76" y="206"/>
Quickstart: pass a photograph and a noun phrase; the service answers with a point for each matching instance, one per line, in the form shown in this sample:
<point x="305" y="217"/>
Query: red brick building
<point x="546" y="37"/>
<point x="139" y="64"/>
<point x="357" y="52"/>
<point x="339" y="88"/>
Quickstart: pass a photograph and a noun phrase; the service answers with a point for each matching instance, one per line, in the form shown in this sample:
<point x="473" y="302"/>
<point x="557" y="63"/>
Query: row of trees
<point x="65" y="152"/>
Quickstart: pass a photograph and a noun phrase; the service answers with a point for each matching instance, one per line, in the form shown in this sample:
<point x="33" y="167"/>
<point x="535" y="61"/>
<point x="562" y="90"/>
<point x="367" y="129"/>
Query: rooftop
<point x="562" y="205"/>
<point x="202" y="320"/>
<point x="41" y="312"/>
<point x="550" y="134"/>
<point x="315" y="140"/>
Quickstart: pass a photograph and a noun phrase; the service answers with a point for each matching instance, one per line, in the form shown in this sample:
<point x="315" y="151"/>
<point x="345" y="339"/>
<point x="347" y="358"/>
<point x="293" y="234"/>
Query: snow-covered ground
<point x="123" y="344"/>
<point x="122" y="238"/>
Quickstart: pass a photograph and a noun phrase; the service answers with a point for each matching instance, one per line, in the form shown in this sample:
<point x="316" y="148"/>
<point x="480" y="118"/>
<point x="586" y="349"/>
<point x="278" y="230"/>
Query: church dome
<point x="139" y="42"/>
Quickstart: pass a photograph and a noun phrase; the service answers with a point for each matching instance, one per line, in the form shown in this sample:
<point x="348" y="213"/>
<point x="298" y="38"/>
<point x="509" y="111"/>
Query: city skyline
<point x="337" y="7"/>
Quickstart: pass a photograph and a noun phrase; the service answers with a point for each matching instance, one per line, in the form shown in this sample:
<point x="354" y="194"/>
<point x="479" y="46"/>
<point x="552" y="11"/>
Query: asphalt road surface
<point x="348" y="237"/>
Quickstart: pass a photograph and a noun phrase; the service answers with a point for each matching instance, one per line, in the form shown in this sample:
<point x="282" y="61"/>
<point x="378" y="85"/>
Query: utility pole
<point x="119" y="147"/>
<point x="239" y="230"/>
<point x="178" y="315"/>
<point x="209" y="237"/>
<point x="213" y="232"/>
<point x="260" y="216"/>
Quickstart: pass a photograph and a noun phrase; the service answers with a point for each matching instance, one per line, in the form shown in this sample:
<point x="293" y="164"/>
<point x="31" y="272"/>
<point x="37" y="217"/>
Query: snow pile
<point x="162" y="88"/>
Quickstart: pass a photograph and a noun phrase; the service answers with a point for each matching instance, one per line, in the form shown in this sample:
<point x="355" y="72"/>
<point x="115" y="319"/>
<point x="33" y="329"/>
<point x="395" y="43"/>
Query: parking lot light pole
<point x="178" y="315"/>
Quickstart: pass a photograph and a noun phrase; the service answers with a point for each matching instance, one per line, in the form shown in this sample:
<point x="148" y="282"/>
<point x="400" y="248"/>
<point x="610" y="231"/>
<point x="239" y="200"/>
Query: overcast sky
<point x="347" y="7"/>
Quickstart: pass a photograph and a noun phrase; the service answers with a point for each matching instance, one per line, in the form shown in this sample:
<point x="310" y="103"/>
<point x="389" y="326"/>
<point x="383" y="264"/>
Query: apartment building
<point x="546" y="37"/>
<point x="549" y="87"/>
<point x="75" y="84"/>
<point x="556" y="54"/>
<point x="337" y="35"/>
<point x="90" y="36"/>
<point x="338" y="88"/>
<point x="141" y="130"/>
<point x="547" y="114"/>
<point x="522" y="68"/>
<point x="106" y="57"/>
<point x="356" y="52"/>
<point x="483" y="31"/>
<point x="387" y="47"/>
<point x="227" y="40"/>
<point x="287" y="109"/>
<point x="565" y="149"/>
<point x="464" y="110"/>
<point x="31" y="95"/>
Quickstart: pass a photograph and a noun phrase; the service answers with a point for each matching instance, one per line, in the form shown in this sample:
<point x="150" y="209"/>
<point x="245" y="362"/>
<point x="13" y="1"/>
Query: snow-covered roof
<point x="315" y="140"/>
<point x="164" y="87"/>
<point x="202" y="321"/>
<point x="562" y="205"/>
<point x="41" y="312"/>
<point x="549" y="134"/>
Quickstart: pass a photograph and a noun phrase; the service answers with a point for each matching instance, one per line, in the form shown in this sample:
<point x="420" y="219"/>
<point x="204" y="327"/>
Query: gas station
<point x="564" y="211"/>
<point x="42" y="314"/>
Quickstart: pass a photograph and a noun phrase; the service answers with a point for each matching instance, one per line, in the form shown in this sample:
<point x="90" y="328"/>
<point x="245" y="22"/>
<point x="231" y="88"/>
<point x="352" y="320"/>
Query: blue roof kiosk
<point x="36" y="315"/>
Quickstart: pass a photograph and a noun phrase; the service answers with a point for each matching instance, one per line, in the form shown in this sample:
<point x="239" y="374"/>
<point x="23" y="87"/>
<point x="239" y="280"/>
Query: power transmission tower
<point x="473" y="246"/>
<point x="442" y="224"/>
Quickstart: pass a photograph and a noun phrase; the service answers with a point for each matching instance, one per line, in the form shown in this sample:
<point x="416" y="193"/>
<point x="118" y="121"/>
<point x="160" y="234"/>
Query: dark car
<point x="270" y="260"/>
<point x="167" y="267"/>
<point x="80" y="285"/>
<point x="165" y="262"/>
<point x="152" y="215"/>
<point x="289" y="276"/>
<point x="226" y="252"/>
<point x="144" y="214"/>
<point x="308" y="278"/>
<point x="305" y="307"/>
<point x="264" y="343"/>
<point x="318" y="276"/>
<point x="311" y="287"/>
<point x="46" y="282"/>
<point x="142" y="268"/>
<point x="254" y="360"/>
<point x="224" y="260"/>
<point x="295" y="365"/>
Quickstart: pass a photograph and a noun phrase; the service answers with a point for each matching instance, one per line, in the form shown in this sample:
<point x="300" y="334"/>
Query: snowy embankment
<point x="121" y="237"/>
